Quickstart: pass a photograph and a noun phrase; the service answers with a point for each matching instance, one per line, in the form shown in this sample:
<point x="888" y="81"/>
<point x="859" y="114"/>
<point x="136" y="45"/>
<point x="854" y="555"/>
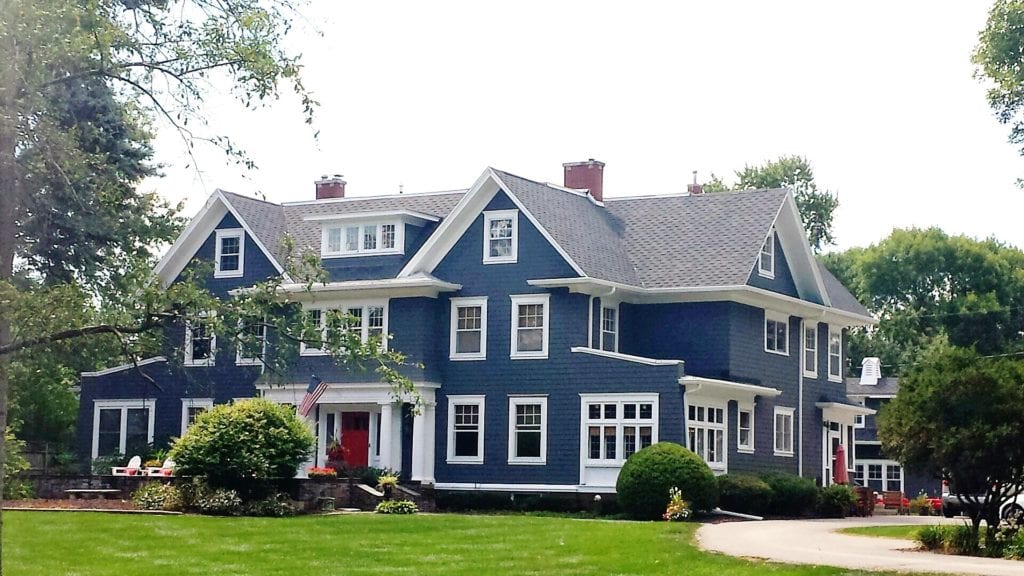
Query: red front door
<point x="355" y="437"/>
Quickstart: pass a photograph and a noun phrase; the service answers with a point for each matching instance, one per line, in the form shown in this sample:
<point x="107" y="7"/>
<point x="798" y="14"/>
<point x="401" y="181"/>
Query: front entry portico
<point x="837" y="429"/>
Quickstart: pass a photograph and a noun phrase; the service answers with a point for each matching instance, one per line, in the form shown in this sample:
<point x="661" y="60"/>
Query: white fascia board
<point x="795" y="240"/>
<point x="124" y="367"/>
<point x="191" y="238"/>
<point x="723" y="389"/>
<point x="563" y="488"/>
<point x="419" y="285"/>
<point x="404" y="215"/>
<point x="846" y="409"/>
<point x="625" y="357"/>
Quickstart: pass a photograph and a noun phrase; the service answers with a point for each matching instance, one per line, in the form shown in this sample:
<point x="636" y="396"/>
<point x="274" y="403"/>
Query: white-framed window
<point x="835" y="354"/>
<point x="369" y="319"/>
<point x="766" y="260"/>
<point x="859" y="421"/>
<point x="230" y="253"/>
<point x="501" y="236"/>
<point x="122" y="426"/>
<point x="745" y="428"/>
<point x="810" y="356"/>
<point x="610" y="328"/>
<point x="527" y="429"/>
<point x="466" y="429"/>
<point x="705" y="432"/>
<point x="617" y="425"/>
<point x="530" y="326"/>
<point x="191" y="408"/>
<point x="875" y="473"/>
<point x="784" y="431"/>
<point x="363" y="238"/>
<point x="468" y="329"/>
<point x="893" y="477"/>
<point x="881" y="474"/>
<point x="776" y="333"/>
<point x="200" y="342"/>
<point x="251" y="347"/>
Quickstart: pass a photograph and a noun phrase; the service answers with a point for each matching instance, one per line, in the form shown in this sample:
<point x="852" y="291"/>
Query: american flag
<point x="316" y="389"/>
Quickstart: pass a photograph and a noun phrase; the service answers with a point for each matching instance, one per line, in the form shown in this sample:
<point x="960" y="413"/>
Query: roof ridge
<point x="378" y="197"/>
<point x="688" y="195"/>
<point x="263" y="200"/>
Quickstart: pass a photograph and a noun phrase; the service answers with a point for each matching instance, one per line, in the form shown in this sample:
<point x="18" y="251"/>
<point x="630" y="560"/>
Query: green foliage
<point x="678" y="509"/>
<point x="646" y="477"/>
<point x="237" y="445"/>
<point x="396" y="507"/>
<point x="997" y="59"/>
<point x="275" y="506"/>
<point x="387" y="481"/>
<point x="101" y="465"/>
<point x="369" y="475"/>
<point x="15" y="487"/>
<point x="932" y="537"/>
<point x="218" y="502"/>
<point x="157" y="496"/>
<point x="791" y="494"/>
<point x="835" y="501"/>
<point x="962" y="540"/>
<point x="921" y="506"/>
<point x="744" y="493"/>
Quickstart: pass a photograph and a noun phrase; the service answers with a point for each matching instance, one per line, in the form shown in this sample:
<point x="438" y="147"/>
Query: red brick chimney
<point x="587" y="175"/>
<point x="333" y="187"/>
<point x="695" y="189"/>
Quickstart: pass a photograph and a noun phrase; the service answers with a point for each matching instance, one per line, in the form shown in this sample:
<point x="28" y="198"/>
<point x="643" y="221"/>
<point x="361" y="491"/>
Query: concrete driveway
<point x="817" y="542"/>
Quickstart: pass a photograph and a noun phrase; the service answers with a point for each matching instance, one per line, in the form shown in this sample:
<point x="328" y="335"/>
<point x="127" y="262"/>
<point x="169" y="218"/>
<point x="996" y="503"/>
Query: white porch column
<point x="429" y="413"/>
<point x="385" y="435"/>
<point x="419" y="444"/>
<point x="310" y="420"/>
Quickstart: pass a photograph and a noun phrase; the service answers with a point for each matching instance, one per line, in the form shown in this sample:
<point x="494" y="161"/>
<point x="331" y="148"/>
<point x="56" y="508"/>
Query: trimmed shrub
<point x="744" y="493"/>
<point x="275" y="506"/>
<point x="396" y="507"/>
<point x="218" y="502"/>
<point x="791" y="494"/>
<point x="932" y="537"/>
<point x="242" y="445"/>
<point x="835" y="501"/>
<point x="920" y="506"/>
<point x="646" y="477"/>
<point x="15" y="487"/>
<point x="157" y="496"/>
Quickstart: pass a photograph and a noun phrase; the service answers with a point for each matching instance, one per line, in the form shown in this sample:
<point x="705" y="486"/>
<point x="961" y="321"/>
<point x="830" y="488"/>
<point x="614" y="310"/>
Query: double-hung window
<point x="766" y="260"/>
<point x="705" y="427"/>
<point x="610" y="328"/>
<point x="811" y="349"/>
<point x="468" y="329"/>
<point x="616" y="426"/>
<point x="326" y="325"/>
<point x="251" y="343"/>
<point x="776" y="333"/>
<point x="530" y="326"/>
<point x="121" y="426"/>
<point x="745" y="428"/>
<point x="527" y="430"/>
<point x="466" y="429"/>
<point x="200" y="342"/>
<point x="835" y="354"/>
<point x="361" y="238"/>
<point x="230" y="248"/>
<point x="784" y="431"/>
<point x="191" y="408"/>
<point x="501" y="237"/>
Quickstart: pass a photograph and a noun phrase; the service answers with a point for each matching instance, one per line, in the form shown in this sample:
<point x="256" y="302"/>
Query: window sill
<point x="230" y="274"/>
<point x="462" y="461"/>
<point x="784" y="454"/>
<point x="604" y="463"/>
<point x="201" y="364"/>
<point x="745" y="450"/>
<point x="768" y="275"/>
<point x="810" y="375"/>
<point x="500" y="260"/>
<point x="523" y="462"/>
<point x="836" y="379"/>
<point x="522" y="356"/>
<point x="777" y="352"/>
<point x="313" y="352"/>
<point x="248" y="362"/>
<point x="467" y="357"/>
<point x="328" y="255"/>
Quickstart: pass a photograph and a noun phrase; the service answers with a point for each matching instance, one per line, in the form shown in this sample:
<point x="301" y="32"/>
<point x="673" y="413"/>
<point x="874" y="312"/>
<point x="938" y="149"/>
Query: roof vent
<point x="870" y="371"/>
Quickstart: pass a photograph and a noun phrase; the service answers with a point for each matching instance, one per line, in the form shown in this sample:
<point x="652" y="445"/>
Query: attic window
<point x="501" y="237"/>
<point x="360" y="239"/>
<point x="766" y="261"/>
<point x="230" y="246"/>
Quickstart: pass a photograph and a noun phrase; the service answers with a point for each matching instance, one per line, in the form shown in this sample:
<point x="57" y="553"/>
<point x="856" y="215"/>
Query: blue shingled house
<point x="559" y="331"/>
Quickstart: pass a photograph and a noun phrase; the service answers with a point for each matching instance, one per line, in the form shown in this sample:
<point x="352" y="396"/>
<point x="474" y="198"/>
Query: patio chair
<point x="865" y="503"/>
<point x="134" y="468"/>
<point x="166" y="470"/>
<point x="894" y="499"/>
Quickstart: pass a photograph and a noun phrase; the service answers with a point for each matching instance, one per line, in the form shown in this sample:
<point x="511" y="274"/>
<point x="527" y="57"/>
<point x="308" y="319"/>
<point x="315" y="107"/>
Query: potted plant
<point x="336" y="454"/>
<point x="321" y="473"/>
<point x="386" y="483"/>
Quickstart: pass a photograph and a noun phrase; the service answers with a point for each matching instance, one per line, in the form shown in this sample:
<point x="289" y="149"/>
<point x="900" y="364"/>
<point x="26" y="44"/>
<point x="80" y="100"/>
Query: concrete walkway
<point x="817" y="542"/>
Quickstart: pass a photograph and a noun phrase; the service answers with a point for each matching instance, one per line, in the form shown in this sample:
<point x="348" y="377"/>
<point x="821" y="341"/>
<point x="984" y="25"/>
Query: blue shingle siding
<point x="782" y="282"/>
<point x="373" y="267"/>
<point x="695" y="332"/>
<point x="256" y="268"/>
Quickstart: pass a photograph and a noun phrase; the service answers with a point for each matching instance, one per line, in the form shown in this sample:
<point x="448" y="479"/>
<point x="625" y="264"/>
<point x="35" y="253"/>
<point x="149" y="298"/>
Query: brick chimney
<point x="333" y="187"/>
<point x="695" y="189"/>
<point x="587" y="175"/>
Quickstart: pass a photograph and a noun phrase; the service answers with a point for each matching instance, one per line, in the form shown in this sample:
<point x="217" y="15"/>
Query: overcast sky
<point x="879" y="96"/>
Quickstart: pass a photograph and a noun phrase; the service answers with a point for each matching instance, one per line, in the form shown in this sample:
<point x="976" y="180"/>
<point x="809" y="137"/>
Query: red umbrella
<point x="839" y="474"/>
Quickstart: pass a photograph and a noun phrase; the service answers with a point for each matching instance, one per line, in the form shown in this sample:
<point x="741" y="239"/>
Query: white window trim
<point x="860" y="421"/>
<point x="769" y="243"/>
<point x="611" y="306"/>
<point x="812" y="371"/>
<point x="457" y="303"/>
<point x="525" y="299"/>
<point x="479" y="400"/>
<point x="706" y="403"/>
<point x="783" y="410"/>
<point x="305" y="350"/>
<point x="620" y="399"/>
<point x="123" y="405"/>
<point x="186" y="403"/>
<point x="770" y="316"/>
<point x="514" y="401"/>
<point x="243" y="361"/>
<point x="745" y="448"/>
<point x="399" y="247"/>
<point x="188" y="361"/>
<point x="838" y="364"/>
<point x="501" y="215"/>
<point x="229" y="233"/>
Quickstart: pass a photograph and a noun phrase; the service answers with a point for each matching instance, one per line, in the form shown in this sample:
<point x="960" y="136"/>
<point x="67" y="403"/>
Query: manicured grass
<point x="904" y="532"/>
<point x="95" y="544"/>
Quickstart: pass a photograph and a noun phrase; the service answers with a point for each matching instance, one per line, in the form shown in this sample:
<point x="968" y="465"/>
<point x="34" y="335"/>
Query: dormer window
<point x="362" y="239"/>
<point x="766" y="261"/>
<point x="230" y="255"/>
<point x="501" y="237"/>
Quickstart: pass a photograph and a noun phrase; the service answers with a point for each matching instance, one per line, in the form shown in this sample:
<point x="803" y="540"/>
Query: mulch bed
<point x="63" y="504"/>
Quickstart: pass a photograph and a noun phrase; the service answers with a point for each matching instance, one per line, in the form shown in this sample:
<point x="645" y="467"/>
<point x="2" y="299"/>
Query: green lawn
<point x="905" y="532"/>
<point x="87" y="544"/>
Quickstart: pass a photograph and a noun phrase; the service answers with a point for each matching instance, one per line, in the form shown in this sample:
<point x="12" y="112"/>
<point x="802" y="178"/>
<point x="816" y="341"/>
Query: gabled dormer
<point x="379" y="233"/>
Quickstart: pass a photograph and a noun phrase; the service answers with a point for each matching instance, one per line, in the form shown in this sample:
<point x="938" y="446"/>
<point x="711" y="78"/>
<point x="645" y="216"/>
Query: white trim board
<point x="123" y="367"/>
<point x="567" y="488"/>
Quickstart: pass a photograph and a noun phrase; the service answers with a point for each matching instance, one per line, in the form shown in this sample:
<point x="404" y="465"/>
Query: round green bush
<point x="744" y="493"/>
<point x="647" y="475"/>
<point x="835" y="501"/>
<point x="791" y="494"/>
<point x="242" y="444"/>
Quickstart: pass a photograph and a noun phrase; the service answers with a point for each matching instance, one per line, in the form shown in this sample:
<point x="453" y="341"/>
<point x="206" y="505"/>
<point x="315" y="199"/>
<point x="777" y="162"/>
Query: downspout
<point x="800" y="402"/>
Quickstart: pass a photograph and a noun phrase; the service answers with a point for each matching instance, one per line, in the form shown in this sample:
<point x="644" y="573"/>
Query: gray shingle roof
<point x="886" y="386"/>
<point x="265" y="219"/>
<point x="839" y="295"/>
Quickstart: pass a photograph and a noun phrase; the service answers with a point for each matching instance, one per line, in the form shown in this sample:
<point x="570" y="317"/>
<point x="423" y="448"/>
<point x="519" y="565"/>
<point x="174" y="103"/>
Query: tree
<point x="795" y="172"/>
<point x="998" y="59"/>
<point x="957" y="417"/>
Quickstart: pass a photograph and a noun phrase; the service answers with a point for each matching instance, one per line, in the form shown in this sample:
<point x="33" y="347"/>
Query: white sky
<point x="878" y="95"/>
